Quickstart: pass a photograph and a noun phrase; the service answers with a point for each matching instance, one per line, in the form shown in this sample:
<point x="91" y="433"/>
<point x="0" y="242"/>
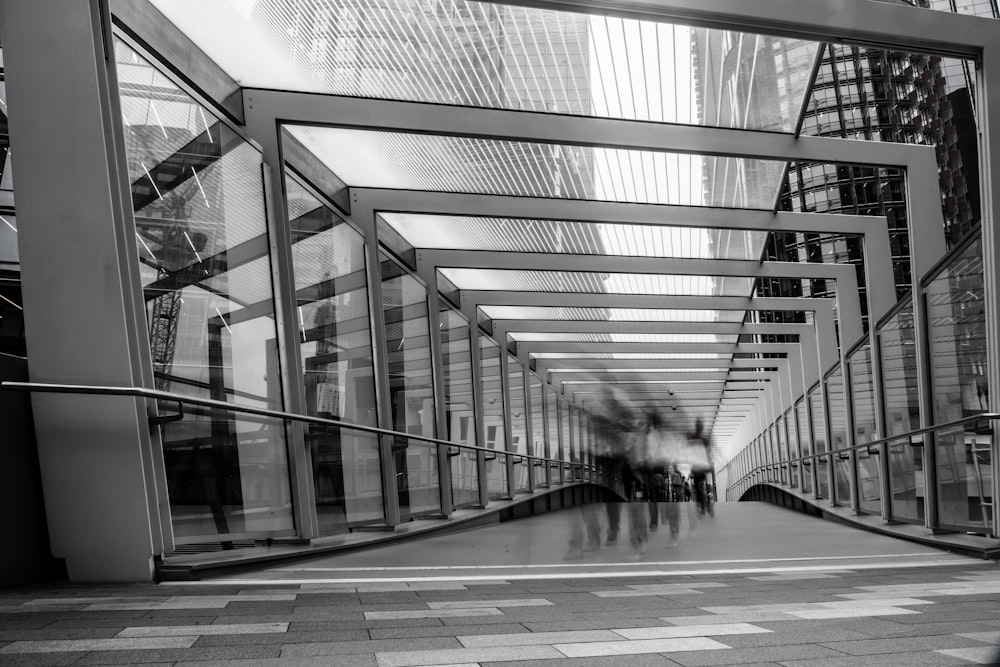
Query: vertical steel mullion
<point x="885" y="474"/>
<point x="987" y="92"/>
<point x="263" y="127"/>
<point x="508" y="420"/>
<point x="529" y="427"/>
<point x="427" y="274"/>
<point x="476" y="368"/>
<point x="363" y="214"/>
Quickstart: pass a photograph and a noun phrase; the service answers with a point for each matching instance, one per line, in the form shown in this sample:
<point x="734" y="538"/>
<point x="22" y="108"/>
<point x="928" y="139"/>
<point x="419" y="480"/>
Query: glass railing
<point x="961" y="477"/>
<point x="230" y="472"/>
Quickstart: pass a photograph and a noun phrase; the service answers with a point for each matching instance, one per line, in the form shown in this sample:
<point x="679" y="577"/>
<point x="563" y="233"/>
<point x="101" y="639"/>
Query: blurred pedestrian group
<point x="664" y="466"/>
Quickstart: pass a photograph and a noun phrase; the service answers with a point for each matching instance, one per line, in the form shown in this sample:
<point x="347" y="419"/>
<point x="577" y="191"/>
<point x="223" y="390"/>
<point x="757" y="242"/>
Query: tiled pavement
<point x="942" y="610"/>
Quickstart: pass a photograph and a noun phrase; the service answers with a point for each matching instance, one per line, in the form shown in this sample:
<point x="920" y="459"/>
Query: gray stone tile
<point x="369" y="647"/>
<point x="41" y="659"/>
<point x="465" y="656"/>
<point x="924" y="659"/>
<point x="536" y="638"/>
<point x="324" y="626"/>
<point x="432" y="613"/>
<point x="8" y="635"/>
<point x="900" y="645"/>
<point x="112" y="644"/>
<point x="603" y="623"/>
<point x="638" y="660"/>
<point x="629" y="647"/>
<point x="180" y="655"/>
<point x="196" y="630"/>
<point x="491" y="603"/>
<point x="356" y="660"/>
<point x="444" y="631"/>
<point x="741" y="656"/>
<point x="982" y="655"/>
<point x="284" y="638"/>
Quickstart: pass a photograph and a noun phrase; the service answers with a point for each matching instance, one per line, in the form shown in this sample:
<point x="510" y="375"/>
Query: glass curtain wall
<point x="552" y="432"/>
<point x="840" y="459"/>
<point x="411" y="395"/>
<point x="201" y="234"/>
<point x="493" y="414"/>
<point x="866" y="429"/>
<point x="956" y="319"/>
<point x="331" y="293"/>
<point x="459" y="411"/>
<point x="899" y="382"/>
<point x="819" y="441"/>
<point x="518" y="422"/>
<point x="538" y="447"/>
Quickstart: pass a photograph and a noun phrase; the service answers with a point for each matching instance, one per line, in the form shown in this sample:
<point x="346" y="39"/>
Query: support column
<point x="83" y="309"/>
<point x="988" y="115"/>
<point x="363" y="214"/>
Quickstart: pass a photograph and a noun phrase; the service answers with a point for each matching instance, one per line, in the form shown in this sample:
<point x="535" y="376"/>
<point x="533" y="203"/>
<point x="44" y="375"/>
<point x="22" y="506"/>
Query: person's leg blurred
<point x="637" y="529"/>
<point x="575" y="551"/>
<point x="614" y="521"/>
<point x="674" y="519"/>
<point x="593" y="527"/>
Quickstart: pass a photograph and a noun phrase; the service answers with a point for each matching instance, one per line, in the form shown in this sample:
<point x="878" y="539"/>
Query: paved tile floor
<point x="889" y="603"/>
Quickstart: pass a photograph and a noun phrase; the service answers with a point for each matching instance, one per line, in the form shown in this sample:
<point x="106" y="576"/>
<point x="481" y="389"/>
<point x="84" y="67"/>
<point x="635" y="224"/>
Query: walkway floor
<point x="755" y="585"/>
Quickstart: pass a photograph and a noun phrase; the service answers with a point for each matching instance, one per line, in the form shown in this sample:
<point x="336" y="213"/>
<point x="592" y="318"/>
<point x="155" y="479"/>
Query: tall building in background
<point x="876" y="95"/>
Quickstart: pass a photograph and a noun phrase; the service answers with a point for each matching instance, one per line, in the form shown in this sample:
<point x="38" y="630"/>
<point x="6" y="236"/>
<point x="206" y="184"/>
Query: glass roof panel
<point x="580" y="238"/>
<point x="599" y="283"/>
<point x="439" y="163"/>
<point x="618" y="356"/>
<point x="492" y="55"/>
<point x="610" y="314"/>
<point x="523" y="336"/>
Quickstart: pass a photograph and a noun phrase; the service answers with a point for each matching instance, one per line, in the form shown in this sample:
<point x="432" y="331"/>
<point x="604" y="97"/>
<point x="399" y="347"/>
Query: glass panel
<point x="819" y="440"/>
<point x="411" y="394"/>
<point x="793" y="447"/>
<point x="906" y="479"/>
<point x="515" y="380"/>
<point x="552" y="432"/>
<point x="956" y="316"/>
<point x="202" y="239"/>
<point x="899" y="373"/>
<point x="537" y="420"/>
<point x="600" y="283"/>
<point x="459" y="416"/>
<point x="610" y="314"/>
<point x="838" y="430"/>
<point x="493" y="55"/>
<point x="869" y="484"/>
<point x="376" y="159"/>
<point x="534" y="337"/>
<point x="493" y="413"/>
<point x="566" y="445"/>
<point x="782" y="450"/>
<point x="965" y="477"/>
<point x="328" y="263"/>
<point x="578" y="238"/>
<point x="863" y="395"/>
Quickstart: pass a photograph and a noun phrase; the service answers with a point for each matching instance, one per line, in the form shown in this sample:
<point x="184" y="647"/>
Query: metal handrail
<point x="876" y="443"/>
<point x="52" y="388"/>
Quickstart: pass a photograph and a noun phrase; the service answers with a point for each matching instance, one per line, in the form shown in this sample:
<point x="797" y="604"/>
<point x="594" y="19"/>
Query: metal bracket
<point x="160" y="420"/>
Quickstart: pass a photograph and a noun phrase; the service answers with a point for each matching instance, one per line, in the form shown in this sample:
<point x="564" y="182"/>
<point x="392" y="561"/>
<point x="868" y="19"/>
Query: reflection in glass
<point x="411" y="395"/>
<point x="331" y="292"/>
<point x="537" y="425"/>
<point x="906" y="480"/>
<point x="494" y="55"/>
<point x="782" y="449"/>
<point x="443" y="163"/>
<point x="552" y="436"/>
<point x="863" y="395"/>
<point x="201" y="234"/>
<point x="899" y="372"/>
<point x="836" y="406"/>
<point x="518" y="421"/>
<point x="819" y="441"/>
<point x="869" y="485"/>
<point x="956" y="317"/>
<point x="964" y="477"/>
<point x="493" y="415"/>
<point x="577" y="238"/>
<point x="793" y="447"/>
<point x="459" y="416"/>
